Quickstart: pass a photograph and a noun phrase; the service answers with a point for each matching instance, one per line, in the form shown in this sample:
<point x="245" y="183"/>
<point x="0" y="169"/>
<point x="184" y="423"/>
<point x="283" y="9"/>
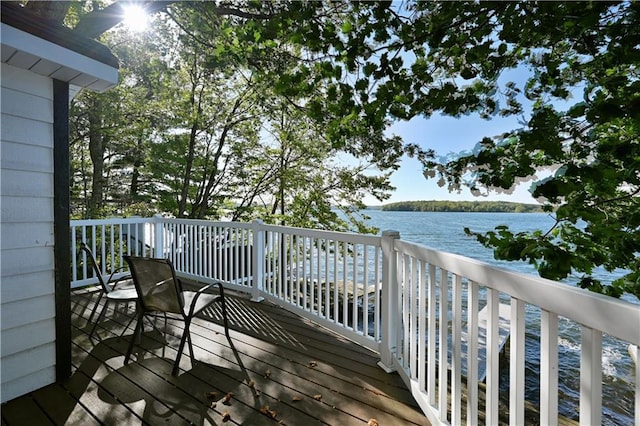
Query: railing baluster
<point x="336" y="251"/>
<point x="354" y="289"/>
<point x="111" y="247"/>
<point x="406" y="308"/>
<point x="365" y="293"/>
<point x="292" y="275"/>
<point x="637" y="384"/>
<point x="549" y="368"/>
<point x="414" y="314"/>
<point x="103" y="252"/>
<point x="74" y="255"/>
<point x="327" y="287"/>
<point x="516" y="361"/>
<point x="493" y="359"/>
<point x="431" y="324"/>
<point x="472" y="354"/>
<point x="456" y="357"/>
<point x="422" y="325"/>
<point x="591" y="377"/>
<point x="312" y="281"/>
<point x="378" y="290"/>
<point x="345" y="301"/>
<point x="443" y="364"/>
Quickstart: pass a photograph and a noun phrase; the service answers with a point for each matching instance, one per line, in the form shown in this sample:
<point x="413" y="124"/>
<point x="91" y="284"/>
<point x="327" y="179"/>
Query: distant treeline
<point x="462" y="206"/>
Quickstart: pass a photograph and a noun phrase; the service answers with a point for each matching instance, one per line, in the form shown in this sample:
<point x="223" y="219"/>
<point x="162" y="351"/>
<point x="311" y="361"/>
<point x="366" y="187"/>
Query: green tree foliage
<point x="196" y="131"/>
<point x="352" y="68"/>
<point x="579" y="107"/>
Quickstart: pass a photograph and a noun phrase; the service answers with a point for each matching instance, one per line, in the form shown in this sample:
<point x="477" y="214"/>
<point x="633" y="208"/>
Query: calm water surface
<point x="445" y="231"/>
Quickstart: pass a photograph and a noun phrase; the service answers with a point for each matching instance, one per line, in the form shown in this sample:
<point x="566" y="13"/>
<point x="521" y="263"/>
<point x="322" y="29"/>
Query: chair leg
<point x="128" y="324"/>
<point x="185" y="335"/>
<point x="95" y="306"/>
<point x="134" y="336"/>
<point x="95" y="324"/>
<point x="225" y="319"/>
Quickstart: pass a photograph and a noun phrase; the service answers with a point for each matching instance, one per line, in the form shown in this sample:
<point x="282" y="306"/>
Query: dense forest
<point x="462" y="206"/>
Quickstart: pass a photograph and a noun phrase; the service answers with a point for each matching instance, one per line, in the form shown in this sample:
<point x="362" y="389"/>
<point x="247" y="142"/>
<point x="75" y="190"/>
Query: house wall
<point x="27" y="298"/>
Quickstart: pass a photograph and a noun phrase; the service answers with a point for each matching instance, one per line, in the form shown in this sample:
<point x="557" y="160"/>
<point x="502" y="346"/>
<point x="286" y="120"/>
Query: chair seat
<point x="125" y="294"/>
<point x="204" y="300"/>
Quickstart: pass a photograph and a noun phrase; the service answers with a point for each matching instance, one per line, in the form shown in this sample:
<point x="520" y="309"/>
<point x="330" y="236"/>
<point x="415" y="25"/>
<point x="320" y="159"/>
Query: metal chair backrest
<point x="156" y="283"/>
<point x="96" y="269"/>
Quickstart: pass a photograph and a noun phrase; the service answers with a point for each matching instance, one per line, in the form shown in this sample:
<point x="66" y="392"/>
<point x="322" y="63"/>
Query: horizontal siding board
<point x="27" y="209"/>
<point x="22" y="312"/>
<point x="26" y="131"/>
<point x="26" y="184"/>
<point x="26" y="235"/>
<point x="26" y="82"/>
<point x="23" y="261"/>
<point x="27" y="362"/>
<point x="17" y="156"/>
<point x="28" y="336"/>
<point x="26" y="105"/>
<point x="27" y="383"/>
<point x="25" y="286"/>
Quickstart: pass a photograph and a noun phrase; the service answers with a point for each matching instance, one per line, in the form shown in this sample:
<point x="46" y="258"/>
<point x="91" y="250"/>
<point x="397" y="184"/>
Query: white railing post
<point x="390" y="312"/>
<point x="257" y="261"/>
<point x="158" y="248"/>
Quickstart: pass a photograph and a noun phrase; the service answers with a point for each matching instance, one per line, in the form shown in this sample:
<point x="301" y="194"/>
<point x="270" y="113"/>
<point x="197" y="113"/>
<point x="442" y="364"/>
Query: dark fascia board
<point x="13" y="14"/>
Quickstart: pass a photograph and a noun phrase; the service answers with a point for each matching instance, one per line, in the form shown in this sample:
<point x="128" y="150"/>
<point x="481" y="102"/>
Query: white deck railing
<point x="417" y="307"/>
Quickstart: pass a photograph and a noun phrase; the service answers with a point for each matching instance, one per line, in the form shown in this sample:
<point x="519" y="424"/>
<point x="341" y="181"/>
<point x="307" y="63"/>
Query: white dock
<point x="504" y="324"/>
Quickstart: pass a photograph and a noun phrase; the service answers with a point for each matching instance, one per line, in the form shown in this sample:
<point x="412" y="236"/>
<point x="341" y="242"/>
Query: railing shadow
<point x="247" y="319"/>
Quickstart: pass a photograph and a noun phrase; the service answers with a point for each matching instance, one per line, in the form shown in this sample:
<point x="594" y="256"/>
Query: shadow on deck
<point x="281" y="369"/>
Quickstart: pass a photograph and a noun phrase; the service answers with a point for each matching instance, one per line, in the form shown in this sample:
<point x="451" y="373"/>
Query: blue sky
<point x="445" y="135"/>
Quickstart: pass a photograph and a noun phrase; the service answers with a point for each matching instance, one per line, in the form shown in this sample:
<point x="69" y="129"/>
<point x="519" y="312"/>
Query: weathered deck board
<point x="298" y="371"/>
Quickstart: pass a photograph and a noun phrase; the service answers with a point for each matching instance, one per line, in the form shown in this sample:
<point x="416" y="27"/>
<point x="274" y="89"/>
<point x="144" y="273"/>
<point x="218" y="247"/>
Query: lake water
<point x="445" y="232"/>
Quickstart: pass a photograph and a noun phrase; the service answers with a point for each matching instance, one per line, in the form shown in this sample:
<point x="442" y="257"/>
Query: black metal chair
<point x="120" y="290"/>
<point x="161" y="292"/>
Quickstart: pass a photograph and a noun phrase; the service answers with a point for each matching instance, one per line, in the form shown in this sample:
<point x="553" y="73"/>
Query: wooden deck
<point x="280" y="369"/>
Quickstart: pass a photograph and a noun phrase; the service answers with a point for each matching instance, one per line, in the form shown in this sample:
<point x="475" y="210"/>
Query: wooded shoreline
<point x="461" y="206"/>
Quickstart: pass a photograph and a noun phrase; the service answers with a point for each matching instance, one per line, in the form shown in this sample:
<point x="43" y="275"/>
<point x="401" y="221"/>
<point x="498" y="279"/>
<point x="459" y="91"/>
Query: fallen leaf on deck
<point x="267" y="412"/>
<point x="296" y="398"/>
<point x="372" y="422"/>
<point x="317" y="397"/>
<point x="313" y="363"/>
<point x="211" y="395"/>
<point x="226" y="416"/>
<point x="212" y="405"/>
<point x="267" y="374"/>
<point x="228" y="397"/>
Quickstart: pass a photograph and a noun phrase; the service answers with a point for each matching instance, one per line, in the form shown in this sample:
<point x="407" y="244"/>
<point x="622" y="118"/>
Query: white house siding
<point x="27" y="320"/>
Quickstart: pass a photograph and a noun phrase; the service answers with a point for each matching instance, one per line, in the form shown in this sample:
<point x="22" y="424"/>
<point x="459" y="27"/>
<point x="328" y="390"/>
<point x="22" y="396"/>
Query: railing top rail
<point x="331" y="235"/>
<point x="612" y="316"/>
<point x="204" y="222"/>
<point x="110" y="221"/>
<point x="304" y="232"/>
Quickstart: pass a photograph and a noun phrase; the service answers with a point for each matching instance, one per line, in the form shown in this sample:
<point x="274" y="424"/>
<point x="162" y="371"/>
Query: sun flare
<point x="135" y="17"/>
